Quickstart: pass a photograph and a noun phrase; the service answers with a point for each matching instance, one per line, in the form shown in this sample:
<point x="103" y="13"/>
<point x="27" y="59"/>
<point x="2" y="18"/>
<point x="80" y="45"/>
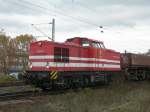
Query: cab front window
<point x="94" y="44"/>
<point x="102" y="45"/>
<point x="98" y="45"/>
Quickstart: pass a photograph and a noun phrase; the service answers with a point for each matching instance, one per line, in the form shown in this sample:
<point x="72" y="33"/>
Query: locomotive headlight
<point x="30" y="64"/>
<point x="47" y="65"/>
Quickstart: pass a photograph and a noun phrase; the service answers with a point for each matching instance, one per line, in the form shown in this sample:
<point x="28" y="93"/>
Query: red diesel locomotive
<point x="76" y="62"/>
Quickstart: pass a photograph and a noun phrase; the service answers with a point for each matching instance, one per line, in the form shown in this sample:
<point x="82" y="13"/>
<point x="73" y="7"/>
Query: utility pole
<point x="53" y="29"/>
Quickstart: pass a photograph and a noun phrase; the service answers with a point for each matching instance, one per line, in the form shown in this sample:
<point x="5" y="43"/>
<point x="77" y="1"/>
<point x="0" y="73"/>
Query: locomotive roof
<point x="70" y="41"/>
<point x="64" y="43"/>
<point x="85" y="38"/>
<point x="76" y="41"/>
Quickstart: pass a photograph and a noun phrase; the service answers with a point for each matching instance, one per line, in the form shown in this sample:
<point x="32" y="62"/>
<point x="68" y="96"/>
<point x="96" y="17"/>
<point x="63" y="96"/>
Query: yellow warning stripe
<point x="53" y="75"/>
<point x="52" y="72"/>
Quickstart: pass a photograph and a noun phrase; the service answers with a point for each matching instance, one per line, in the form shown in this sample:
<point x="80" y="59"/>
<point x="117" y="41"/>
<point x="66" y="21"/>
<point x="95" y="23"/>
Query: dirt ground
<point x="117" y="97"/>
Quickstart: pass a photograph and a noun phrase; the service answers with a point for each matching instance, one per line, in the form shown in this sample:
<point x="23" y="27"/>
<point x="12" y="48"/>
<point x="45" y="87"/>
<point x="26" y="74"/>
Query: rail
<point x="16" y="83"/>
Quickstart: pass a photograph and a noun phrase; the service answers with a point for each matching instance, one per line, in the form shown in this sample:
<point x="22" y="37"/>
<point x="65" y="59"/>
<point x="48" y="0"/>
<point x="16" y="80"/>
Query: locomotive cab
<point x="85" y="42"/>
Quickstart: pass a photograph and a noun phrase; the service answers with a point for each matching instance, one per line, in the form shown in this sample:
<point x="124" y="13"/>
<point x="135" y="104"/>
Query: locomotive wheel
<point x="144" y="75"/>
<point x="141" y="76"/>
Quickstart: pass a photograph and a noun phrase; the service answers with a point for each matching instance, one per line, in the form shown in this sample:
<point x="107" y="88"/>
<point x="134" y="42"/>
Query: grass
<point x="117" y="97"/>
<point x="6" y="78"/>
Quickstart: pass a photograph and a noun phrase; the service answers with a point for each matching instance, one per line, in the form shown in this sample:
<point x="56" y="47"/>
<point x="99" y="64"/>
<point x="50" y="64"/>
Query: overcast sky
<point x="126" y="23"/>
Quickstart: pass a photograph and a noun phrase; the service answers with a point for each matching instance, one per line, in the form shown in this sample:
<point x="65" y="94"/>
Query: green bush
<point x="6" y="78"/>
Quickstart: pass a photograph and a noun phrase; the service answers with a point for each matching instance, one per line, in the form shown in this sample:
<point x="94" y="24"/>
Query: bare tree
<point x="5" y="50"/>
<point x="23" y="42"/>
<point x="14" y="52"/>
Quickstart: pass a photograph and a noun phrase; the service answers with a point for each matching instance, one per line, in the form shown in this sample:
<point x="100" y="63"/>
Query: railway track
<point x="19" y="95"/>
<point x="32" y="93"/>
<point x="16" y="90"/>
<point x="28" y="94"/>
<point x="16" y="83"/>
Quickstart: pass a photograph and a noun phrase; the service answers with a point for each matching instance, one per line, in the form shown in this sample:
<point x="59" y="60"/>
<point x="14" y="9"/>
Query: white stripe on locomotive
<point x="74" y="58"/>
<point x="54" y="64"/>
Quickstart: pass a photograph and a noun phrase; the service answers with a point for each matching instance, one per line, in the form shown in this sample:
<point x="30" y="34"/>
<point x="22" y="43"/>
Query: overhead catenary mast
<point x="53" y="29"/>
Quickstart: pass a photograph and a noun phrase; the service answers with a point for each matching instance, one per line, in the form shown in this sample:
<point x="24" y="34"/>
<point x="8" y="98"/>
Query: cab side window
<point x="85" y="44"/>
